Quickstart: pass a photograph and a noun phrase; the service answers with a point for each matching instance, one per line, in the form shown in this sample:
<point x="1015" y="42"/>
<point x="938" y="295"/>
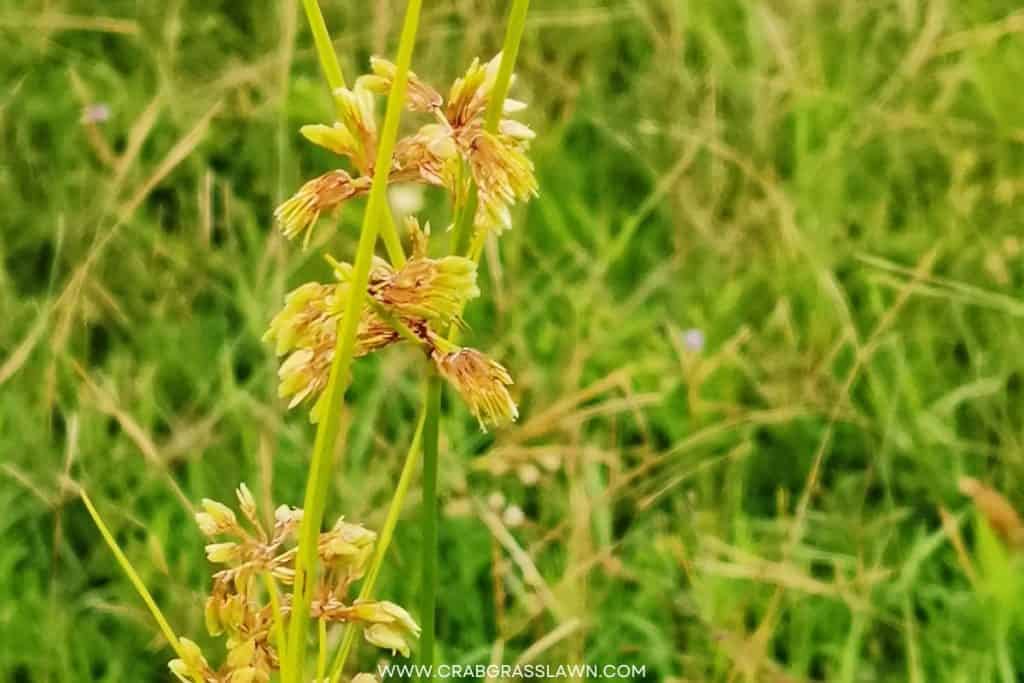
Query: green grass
<point x="830" y="190"/>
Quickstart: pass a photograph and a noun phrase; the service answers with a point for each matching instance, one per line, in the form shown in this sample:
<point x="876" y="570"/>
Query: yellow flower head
<point x="336" y="138"/>
<point x="358" y="115"/>
<point x="306" y="329"/>
<point x="483" y="384"/>
<point x="389" y="626"/>
<point x="426" y="288"/>
<point x="429" y="156"/>
<point x="192" y="664"/>
<point x="308" y="315"/>
<point x="503" y="174"/>
<point x="347" y="546"/>
<point x="468" y="97"/>
<point x="299" y="214"/>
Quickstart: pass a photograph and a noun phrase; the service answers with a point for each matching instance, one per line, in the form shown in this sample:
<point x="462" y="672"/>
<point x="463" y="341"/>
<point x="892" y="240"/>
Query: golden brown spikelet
<point x="998" y="512"/>
<point x="299" y="214"/>
<point x="482" y="382"/>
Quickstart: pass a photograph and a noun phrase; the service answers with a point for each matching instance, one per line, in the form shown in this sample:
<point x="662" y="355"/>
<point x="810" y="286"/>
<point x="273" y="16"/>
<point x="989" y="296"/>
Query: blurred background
<point x="765" y="314"/>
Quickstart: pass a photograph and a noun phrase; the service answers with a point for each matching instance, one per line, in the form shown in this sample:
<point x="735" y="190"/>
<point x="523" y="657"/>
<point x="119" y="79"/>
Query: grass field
<point x="767" y="310"/>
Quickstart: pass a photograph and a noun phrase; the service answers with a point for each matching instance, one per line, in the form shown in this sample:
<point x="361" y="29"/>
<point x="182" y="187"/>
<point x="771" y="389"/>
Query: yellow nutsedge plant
<point x="271" y="583"/>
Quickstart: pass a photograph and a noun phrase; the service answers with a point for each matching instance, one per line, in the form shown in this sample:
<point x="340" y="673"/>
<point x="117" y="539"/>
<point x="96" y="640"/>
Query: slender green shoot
<point x="412" y="458"/>
<point x="392" y="242"/>
<point x="324" y="47"/>
<point x="428" y="521"/>
<point x="133" y="576"/>
<point x="509" y="53"/>
<point x="275" y="608"/>
<point x="321" y="657"/>
<point x="335" y="78"/>
<point x="465" y="220"/>
<point x="326" y="443"/>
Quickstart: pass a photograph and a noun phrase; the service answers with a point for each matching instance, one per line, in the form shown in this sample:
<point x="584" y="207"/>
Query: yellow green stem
<point x="509" y="54"/>
<point x="392" y="243"/>
<point x="321" y="658"/>
<point x="275" y="609"/>
<point x="412" y="459"/>
<point x="136" y="580"/>
<point x="428" y="522"/>
<point x="335" y="78"/>
<point x="324" y="47"/>
<point x="464" y="225"/>
<point x="325" y="446"/>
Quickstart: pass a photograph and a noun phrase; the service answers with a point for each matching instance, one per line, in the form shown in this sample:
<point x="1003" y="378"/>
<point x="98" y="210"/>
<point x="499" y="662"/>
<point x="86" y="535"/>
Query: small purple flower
<point x="693" y="340"/>
<point x="96" y="113"/>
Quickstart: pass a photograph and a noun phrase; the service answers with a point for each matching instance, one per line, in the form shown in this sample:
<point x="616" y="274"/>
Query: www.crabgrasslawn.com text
<point x="514" y="671"/>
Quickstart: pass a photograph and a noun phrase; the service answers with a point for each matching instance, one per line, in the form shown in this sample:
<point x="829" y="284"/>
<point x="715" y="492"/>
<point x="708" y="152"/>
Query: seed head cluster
<point x="255" y="559"/>
<point x="421" y="297"/>
<point x="424" y="296"/>
<point x="433" y="155"/>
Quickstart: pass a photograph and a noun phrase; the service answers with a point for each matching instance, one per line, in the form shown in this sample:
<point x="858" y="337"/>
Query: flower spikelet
<point x="336" y="138"/>
<point x="503" y="174"/>
<point x="426" y="288"/>
<point x="469" y="94"/>
<point x="307" y="315"/>
<point x="390" y="626"/>
<point x="192" y="664"/>
<point x="306" y="329"/>
<point x="429" y="156"/>
<point x="357" y="114"/>
<point x="300" y="213"/>
<point x="240" y="607"/>
<point x="482" y="382"/>
<point x="421" y="97"/>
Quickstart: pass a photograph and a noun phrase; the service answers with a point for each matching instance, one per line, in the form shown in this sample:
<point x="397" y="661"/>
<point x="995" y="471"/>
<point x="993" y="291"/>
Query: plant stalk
<point x="324" y="47"/>
<point x="136" y="580"/>
<point x="463" y="228"/>
<point x="325" y="446"/>
<point x="335" y="78"/>
<point x="412" y="459"/>
<point x="428" y="521"/>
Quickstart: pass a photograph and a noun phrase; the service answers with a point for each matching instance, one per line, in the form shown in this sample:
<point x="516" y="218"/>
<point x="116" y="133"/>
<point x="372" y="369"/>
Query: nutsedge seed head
<point x="216" y="518"/>
<point x="305" y="318"/>
<point x="468" y="96"/>
<point x="304" y="373"/>
<point x="391" y="627"/>
<point x="246" y="502"/>
<point x="347" y="546"/>
<point x="336" y="138"/>
<point x="357" y="108"/>
<point x="426" y="288"/>
<point x="299" y="214"/>
<point x="483" y="384"/>
<point x="307" y="328"/>
<point x="223" y="553"/>
<point x="504" y="175"/>
<point x="191" y="664"/>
